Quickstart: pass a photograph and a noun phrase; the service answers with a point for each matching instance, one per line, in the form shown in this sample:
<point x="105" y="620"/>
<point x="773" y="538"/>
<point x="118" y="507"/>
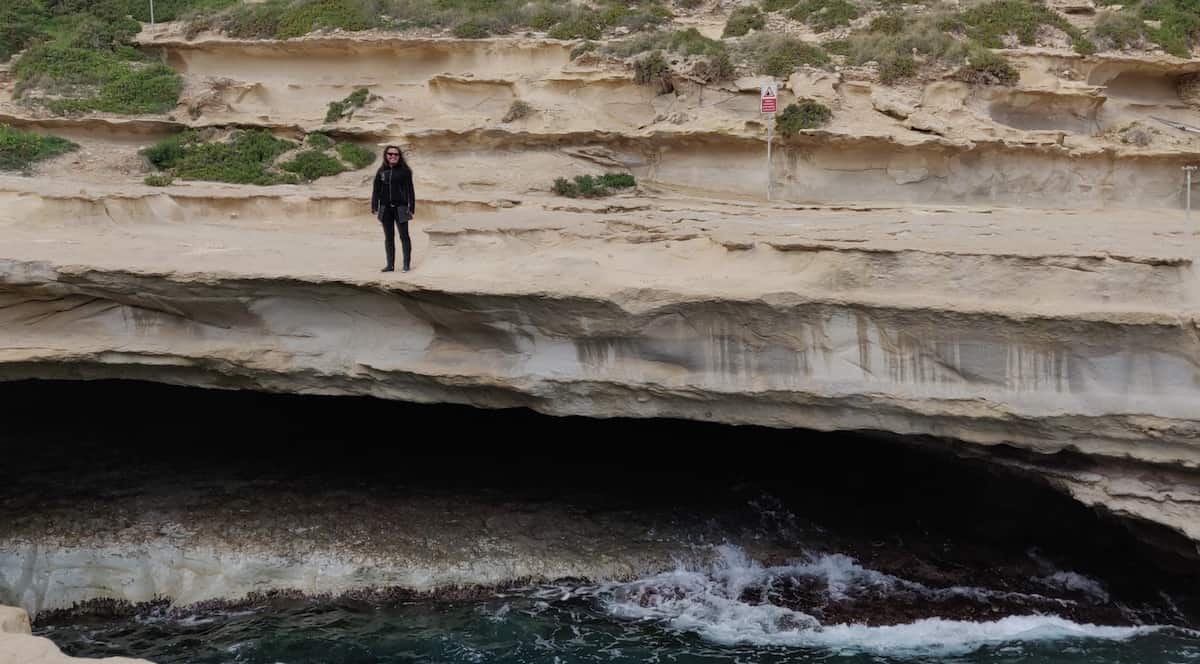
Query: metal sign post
<point x="151" y="12"/>
<point x="1187" y="196"/>
<point x="768" y="104"/>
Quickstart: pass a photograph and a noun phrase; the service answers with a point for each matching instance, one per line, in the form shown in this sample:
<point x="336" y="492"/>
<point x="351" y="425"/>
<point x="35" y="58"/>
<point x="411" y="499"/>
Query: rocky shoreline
<point x="19" y="646"/>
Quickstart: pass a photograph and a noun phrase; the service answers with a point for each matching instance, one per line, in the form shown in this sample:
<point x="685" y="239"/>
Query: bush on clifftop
<point x="20" y="150"/>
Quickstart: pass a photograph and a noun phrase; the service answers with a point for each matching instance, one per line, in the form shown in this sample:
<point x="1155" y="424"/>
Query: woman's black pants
<point x="396" y="218"/>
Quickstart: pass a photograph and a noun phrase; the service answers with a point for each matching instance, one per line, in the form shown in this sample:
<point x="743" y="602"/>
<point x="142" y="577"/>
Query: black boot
<point x="391" y="269"/>
<point x="405" y="244"/>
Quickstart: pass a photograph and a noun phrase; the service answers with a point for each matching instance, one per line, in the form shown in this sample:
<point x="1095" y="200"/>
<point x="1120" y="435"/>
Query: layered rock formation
<point x="993" y="266"/>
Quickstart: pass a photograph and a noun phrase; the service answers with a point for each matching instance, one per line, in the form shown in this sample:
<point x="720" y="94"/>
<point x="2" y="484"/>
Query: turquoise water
<point x="733" y="610"/>
<point x="535" y="627"/>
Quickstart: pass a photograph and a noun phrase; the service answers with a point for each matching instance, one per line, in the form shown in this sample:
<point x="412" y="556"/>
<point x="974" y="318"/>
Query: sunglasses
<point x="393" y="154"/>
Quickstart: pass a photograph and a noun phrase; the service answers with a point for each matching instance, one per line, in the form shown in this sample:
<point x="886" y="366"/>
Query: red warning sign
<point x="769" y="98"/>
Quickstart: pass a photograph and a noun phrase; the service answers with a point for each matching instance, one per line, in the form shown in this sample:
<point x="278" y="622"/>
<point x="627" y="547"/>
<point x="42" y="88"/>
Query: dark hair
<point x="402" y="164"/>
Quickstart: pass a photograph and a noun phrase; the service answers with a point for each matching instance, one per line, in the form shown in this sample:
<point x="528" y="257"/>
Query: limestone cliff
<point x="991" y="265"/>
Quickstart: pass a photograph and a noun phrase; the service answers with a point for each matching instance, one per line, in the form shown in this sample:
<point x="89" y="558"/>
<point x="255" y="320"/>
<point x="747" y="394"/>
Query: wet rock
<point x="18" y="646"/>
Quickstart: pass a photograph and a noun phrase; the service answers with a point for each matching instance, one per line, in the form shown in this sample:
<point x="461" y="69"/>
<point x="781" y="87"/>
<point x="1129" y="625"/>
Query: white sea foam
<point x="709" y="602"/>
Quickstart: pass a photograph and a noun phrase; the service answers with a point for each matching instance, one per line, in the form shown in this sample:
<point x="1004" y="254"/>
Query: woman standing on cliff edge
<point x="393" y="202"/>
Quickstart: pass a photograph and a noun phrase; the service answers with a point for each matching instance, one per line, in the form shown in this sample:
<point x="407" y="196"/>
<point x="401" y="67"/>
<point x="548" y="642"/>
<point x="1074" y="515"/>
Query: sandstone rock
<point x="18" y="649"/>
<point x="989" y="326"/>
<point x="815" y="84"/>
<point x="910" y="326"/>
<point x="17" y="646"/>
<point x="890" y="102"/>
<point x="752" y="83"/>
<point x="1189" y="89"/>
<point x="928" y="122"/>
<point x="13" y="620"/>
<point x="908" y="175"/>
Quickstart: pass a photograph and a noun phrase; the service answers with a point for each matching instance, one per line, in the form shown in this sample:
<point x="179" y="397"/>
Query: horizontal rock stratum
<point x="992" y="267"/>
<point x="1061" y="331"/>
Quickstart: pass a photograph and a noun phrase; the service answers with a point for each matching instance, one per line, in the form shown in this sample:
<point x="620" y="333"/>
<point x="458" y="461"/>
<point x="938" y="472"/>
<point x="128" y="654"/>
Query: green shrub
<point x="617" y="180"/>
<point x="923" y="34"/>
<point x="587" y="25"/>
<point x="1083" y="45"/>
<point x="493" y="16"/>
<point x="59" y="68"/>
<point x="471" y="29"/>
<point x="779" y="56"/>
<point x="836" y="46"/>
<point x="159" y="180"/>
<point x="576" y="29"/>
<point x="285" y="19"/>
<point x="714" y="69"/>
<point x="590" y="187"/>
<point x="1179" y="28"/>
<point x="1119" y="29"/>
<point x="336" y="110"/>
<point x="687" y="42"/>
<point x="464" y="18"/>
<point x="777" y="5"/>
<point x="319" y="141"/>
<point x="20" y="150"/>
<point x="168" y="152"/>
<point x="691" y="42"/>
<point x="517" y="111"/>
<point x="987" y="68"/>
<point x="587" y="186"/>
<point x="804" y="114"/>
<point x="147" y="89"/>
<point x="824" y="15"/>
<point x="742" y="20"/>
<point x="246" y="158"/>
<point x="653" y="69"/>
<point x="303" y="17"/>
<point x="339" y="109"/>
<point x="172" y="10"/>
<point x="358" y="98"/>
<point x="85" y="61"/>
<point x="645" y="17"/>
<point x="313" y="164"/>
<point x="585" y="47"/>
<point x="20" y="24"/>
<point x="628" y="47"/>
<point x="888" y="24"/>
<point x="583" y="23"/>
<point x="564" y="187"/>
<point x="90" y="32"/>
<point x="546" y="18"/>
<point x="256" y="21"/>
<point x="988" y="22"/>
<point x="893" y="68"/>
<point x="357" y="156"/>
